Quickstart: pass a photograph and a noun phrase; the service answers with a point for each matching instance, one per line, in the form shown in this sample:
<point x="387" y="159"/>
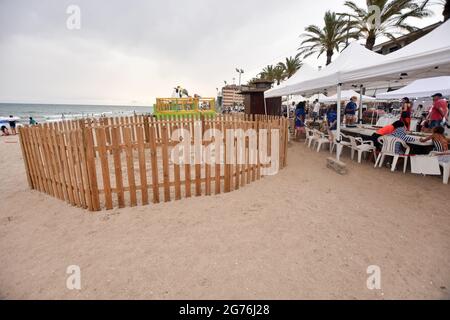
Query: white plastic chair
<point x="344" y="142"/>
<point x="320" y="139"/>
<point x="310" y="137"/>
<point x="388" y="149"/>
<point x="444" y="164"/>
<point x="361" y="146"/>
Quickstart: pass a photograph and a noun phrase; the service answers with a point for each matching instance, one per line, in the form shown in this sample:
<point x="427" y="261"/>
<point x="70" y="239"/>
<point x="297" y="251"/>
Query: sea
<point x="56" y="112"/>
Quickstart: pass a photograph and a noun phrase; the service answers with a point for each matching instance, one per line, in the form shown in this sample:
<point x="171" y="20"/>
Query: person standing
<point x="350" y="111"/>
<point x="12" y="125"/>
<point x="316" y="109"/>
<point x="406" y="113"/>
<point x="299" y="123"/>
<point x="438" y="112"/>
<point x="332" y="122"/>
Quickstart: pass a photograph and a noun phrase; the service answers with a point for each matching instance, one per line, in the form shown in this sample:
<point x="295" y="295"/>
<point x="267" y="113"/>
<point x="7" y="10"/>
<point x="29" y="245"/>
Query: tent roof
<point x="319" y="96"/>
<point x="295" y="98"/>
<point x="420" y="88"/>
<point x="428" y="56"/>
<point x="305" y="72"/>
<point x="354" y="54"/>
<point x="346" y="95"/>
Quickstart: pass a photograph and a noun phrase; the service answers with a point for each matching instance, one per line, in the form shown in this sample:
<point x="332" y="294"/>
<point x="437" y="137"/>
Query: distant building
<point x="393" y="45"/>
<point x="231" y="96"/>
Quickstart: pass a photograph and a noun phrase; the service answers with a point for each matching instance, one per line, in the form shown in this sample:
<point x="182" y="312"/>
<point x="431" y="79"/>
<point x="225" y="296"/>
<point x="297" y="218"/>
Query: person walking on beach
<point x="12" y="125"/>
<point x="32" y="122"/>
<point x="406" y="113"/>
<point x="350" y="111"/>
<point x="439" y="111"/>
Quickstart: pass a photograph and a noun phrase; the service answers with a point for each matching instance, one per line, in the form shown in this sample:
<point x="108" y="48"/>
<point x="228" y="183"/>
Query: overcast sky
<point x="133" y="51"/>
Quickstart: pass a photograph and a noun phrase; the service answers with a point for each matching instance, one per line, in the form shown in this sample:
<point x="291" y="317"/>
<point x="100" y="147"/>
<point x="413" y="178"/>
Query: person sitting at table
<point x="440" y="141"/>
<point x="386" y="130"/>
<point x="400" y="133"/>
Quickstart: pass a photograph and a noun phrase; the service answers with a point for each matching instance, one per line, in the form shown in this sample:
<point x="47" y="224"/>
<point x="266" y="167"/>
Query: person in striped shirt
<point x="400" y="132"/>
<point x="440" y="141"/>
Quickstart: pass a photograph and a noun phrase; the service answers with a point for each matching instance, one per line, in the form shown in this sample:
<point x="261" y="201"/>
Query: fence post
<point x="92" y="171"/>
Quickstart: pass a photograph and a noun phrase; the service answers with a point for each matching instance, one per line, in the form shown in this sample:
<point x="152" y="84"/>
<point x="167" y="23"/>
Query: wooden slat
<point x="206" y="128"/>
<point x="80" y="140"/>
<point x="218" y="141"/>
<point x="130" y="165"/>
<point x="71" y="165"/>
<point x="142" y="164"/>
<point x="115" y="139"/>
<point x="66" y="167"/>
<point x="78" y="176"/>
<point x="92" y="171"/>
<point x="165" y="158"/>
<point x="100" y="133"/>
<point x="154" y="161"/>
<point x="177" y="174"/>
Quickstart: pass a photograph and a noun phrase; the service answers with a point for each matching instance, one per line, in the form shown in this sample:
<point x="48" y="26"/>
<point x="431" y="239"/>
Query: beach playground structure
<point x="184" y="107"/>
<point x="121" y="162"/>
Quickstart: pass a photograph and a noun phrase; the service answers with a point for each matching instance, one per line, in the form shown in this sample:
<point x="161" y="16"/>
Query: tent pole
<point x="265" y="106"/>
<point x="338" y="122"/>
<point x="360" y="111"/>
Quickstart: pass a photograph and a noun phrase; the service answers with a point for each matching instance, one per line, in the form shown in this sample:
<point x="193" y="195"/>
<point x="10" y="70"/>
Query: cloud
<point x="137" y="50"/>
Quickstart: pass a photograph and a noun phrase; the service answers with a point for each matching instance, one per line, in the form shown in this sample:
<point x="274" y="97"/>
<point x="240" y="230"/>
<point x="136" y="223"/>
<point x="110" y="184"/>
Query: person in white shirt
<point x="316" y="109"/>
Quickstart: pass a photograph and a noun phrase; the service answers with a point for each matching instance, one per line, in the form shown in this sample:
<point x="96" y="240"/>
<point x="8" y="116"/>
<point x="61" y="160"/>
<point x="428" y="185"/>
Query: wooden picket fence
<point x="125" y="161"/>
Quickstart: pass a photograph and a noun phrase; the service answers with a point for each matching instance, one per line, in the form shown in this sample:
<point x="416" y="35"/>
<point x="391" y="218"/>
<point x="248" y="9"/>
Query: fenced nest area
<point x="119" y="162"/>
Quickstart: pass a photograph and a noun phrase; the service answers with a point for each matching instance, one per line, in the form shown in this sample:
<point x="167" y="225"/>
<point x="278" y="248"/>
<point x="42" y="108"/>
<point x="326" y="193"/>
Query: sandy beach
<point x="306" y="233"/>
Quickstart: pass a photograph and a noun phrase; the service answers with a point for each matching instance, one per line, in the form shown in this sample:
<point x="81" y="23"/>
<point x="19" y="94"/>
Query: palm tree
<point x="327" y="39"/>
<point x="444" y="3"/>
<point x="389" y="21"/>
<point x="290" y="66"/>
<point x="268" y="73"/>
<point x="278" y="74"/>
<point x="446" y="12"/>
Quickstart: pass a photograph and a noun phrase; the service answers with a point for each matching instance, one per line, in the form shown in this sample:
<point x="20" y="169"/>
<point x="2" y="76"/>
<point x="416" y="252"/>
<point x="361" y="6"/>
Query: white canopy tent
<point x="420" y="89"/>
<point x="357" y="66"/>
<point x="346" y="95"/>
